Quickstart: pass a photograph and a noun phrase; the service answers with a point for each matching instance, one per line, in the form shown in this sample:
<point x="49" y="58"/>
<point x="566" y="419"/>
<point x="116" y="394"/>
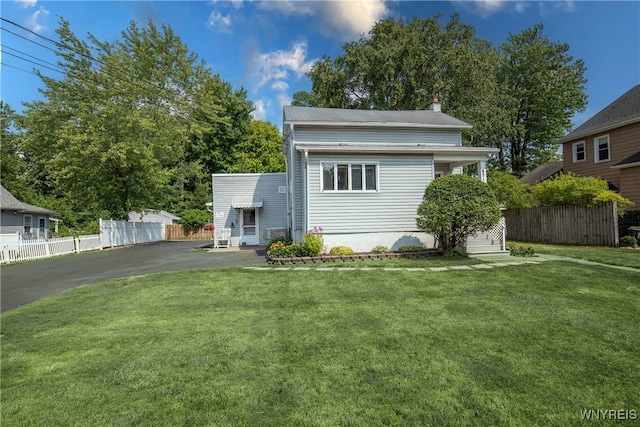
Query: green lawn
<point x="614" y="256"/>
<point x="518" y="345"/>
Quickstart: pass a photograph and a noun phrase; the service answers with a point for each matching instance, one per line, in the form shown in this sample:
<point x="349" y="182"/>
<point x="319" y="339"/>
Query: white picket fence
<point x="13" y="250"/>
<point x="14" y="247"/>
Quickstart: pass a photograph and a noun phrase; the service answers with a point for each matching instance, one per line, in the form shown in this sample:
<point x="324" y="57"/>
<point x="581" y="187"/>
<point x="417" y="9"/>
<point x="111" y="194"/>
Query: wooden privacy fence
<point x="569" y="224"/>
<point x="178" y="232"/>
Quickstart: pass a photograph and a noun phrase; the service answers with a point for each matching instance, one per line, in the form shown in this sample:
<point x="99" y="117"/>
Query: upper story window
<point x="579" y="152"/>
<point x="601" y="148"/>
<point x="349" y="177"/>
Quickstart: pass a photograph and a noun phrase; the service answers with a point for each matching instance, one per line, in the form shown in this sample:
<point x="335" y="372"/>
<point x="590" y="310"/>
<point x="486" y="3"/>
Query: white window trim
<point x="24" y="223"/>
<point x="575" y="151"/>
<point x="596" y="151"/>
<point x="349" y="191"/>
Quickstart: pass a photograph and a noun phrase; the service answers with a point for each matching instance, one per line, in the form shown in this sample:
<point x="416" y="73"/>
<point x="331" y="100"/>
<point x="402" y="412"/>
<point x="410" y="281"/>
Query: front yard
<point x="515" y="345"/>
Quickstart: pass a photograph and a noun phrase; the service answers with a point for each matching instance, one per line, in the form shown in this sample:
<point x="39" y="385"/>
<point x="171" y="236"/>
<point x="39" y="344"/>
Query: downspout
<point x="306" y="186"/>
<point x="292" y="174"/>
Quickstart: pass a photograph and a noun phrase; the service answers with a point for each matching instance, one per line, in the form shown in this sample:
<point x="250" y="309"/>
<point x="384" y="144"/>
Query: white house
<point x="361" y="174"/>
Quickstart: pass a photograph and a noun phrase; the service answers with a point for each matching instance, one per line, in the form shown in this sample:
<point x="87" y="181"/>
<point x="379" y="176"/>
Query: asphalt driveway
<point x="28" y="282"/>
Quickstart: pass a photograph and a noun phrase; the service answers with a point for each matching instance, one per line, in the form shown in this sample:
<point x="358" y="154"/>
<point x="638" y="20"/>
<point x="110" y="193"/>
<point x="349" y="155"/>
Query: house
<point x="608" y="146"/>
<point x="150" y="215"/>
<point x="251" y="207"/>
<point x="358" y="174"/>
<point x="29" y="221"/>
<point x="542" y="172"/>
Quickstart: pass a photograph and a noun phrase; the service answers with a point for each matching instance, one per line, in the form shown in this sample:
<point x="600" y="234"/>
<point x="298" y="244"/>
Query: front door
<point x="249" y="228"/>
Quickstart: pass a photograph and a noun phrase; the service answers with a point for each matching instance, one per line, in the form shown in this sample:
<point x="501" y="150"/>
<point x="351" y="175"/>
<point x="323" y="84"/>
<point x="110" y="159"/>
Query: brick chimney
<point x="436" y="105"/>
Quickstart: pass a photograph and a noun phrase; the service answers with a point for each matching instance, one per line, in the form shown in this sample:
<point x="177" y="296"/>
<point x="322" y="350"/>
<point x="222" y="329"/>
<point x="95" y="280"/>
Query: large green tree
<point x="124" y="128"/>
<point x="261" y="151"/>
<point x="402" y="65"/>
<point x="541" y="87"/>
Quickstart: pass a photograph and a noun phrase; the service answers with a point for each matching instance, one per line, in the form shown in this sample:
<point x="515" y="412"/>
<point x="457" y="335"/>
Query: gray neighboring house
<point x="31" y="222"/>
<point x="358" y="174"/>
<point x="150" y="215"/>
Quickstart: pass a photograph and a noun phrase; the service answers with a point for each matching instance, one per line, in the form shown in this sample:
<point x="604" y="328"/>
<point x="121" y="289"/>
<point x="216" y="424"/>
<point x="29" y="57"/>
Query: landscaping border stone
<point x="355" y="257"/>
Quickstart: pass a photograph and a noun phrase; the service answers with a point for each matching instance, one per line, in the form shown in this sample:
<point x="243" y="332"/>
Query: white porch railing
<point x="13" y="250"/>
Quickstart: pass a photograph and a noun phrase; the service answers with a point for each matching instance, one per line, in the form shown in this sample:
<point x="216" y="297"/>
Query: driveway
<point x="28" y="282"/>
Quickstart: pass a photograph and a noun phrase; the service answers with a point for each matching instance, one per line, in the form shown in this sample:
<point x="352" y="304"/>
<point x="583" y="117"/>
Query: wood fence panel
<point x="178" y="232"/>
<point x="570" y="224"/>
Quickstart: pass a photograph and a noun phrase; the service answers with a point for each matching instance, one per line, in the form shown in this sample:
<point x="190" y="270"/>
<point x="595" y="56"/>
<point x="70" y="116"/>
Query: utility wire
<point x="167" y="90"/>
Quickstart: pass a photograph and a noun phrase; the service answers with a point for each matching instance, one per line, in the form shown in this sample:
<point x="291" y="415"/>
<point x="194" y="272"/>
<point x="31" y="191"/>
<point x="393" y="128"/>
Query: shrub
<point x="380" y="250"/>
<point x="509" y="190"/>
<point x="313" y="243"/>
<point x="191" y="218"/>
<point x="455" y="207"/>
<point x="411" y="248"/>
<point x="341" y="250"/>
<point x="290" y="251"/>
<point x="517" y="250"/>
<point x="282" y="240"/>
<point x="628" y="242"/>
<point x="570" y="189"/>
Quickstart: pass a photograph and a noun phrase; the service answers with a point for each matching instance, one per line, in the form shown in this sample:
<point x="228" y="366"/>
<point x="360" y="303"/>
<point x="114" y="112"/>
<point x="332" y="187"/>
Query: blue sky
<point x="267" y="46"/>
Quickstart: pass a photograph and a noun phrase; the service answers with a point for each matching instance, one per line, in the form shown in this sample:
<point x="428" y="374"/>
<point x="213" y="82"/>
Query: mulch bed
<point x="355" y="257"/>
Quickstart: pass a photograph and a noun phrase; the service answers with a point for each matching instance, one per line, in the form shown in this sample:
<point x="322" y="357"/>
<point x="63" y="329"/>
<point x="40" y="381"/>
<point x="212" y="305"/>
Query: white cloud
<point x="280" y="85"/>
<point x="521" y="6"/>
<point x="25" y="4"/>
<point x="32" y="22"/>
<point x="277" y="66"/>
<point x="283" y="100"/>
<point x="344" y="19"/>
<point x="259" y="113"/>
<point x="219" y="22"/>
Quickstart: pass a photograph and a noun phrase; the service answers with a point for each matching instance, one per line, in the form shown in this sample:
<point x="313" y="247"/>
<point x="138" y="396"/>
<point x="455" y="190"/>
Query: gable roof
<point x="349" y="117"/>
<point x="9" y="202"/>
<point x="542" y="172"/>
<point x="623" y="111"/>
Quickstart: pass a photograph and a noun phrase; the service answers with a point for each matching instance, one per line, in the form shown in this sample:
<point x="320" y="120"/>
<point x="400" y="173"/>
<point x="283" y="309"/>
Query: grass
<point x="519" y="345"/>
<point x="607" y="255"/>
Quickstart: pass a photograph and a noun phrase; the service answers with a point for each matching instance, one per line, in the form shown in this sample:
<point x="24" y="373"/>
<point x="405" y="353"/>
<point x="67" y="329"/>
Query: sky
<point x="268" y="46"/>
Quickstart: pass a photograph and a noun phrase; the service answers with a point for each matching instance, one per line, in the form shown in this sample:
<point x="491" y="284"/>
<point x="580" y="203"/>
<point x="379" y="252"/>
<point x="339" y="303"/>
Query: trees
<point x="519" y="97"/>
<point x="133" y="124"/>
<point x="261" y="151"/>
<point x="455" y="207"/>
<point x="402" y="65"/>
<point x="12" y="165"/>
<point x="542" y="87"/>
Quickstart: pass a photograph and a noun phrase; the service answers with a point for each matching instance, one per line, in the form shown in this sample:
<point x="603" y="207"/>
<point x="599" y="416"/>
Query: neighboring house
<point x="149" y="215"/>
<point x="358" y="174"/>
<point x="31" y="222"/>
<point x="608" y="146"/>
<point x="542" y="172"/>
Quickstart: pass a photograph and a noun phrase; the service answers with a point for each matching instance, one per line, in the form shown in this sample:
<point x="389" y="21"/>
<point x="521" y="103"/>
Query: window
<point x="601" y="149"/>
<point x="27" y="222"/>
<point x="579" y="152"/>
<point x="349" y="177"/>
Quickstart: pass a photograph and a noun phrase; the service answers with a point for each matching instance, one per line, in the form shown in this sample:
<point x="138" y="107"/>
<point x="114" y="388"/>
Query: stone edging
<point x="355" y="257"/>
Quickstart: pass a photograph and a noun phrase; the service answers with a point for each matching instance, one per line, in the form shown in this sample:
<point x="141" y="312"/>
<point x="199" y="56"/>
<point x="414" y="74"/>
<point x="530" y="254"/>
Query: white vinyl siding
<point x="401" y="182"/>
<point x="272" y="214"/>
<point x="601" y="149"/>
<point x="306" y="134"/>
